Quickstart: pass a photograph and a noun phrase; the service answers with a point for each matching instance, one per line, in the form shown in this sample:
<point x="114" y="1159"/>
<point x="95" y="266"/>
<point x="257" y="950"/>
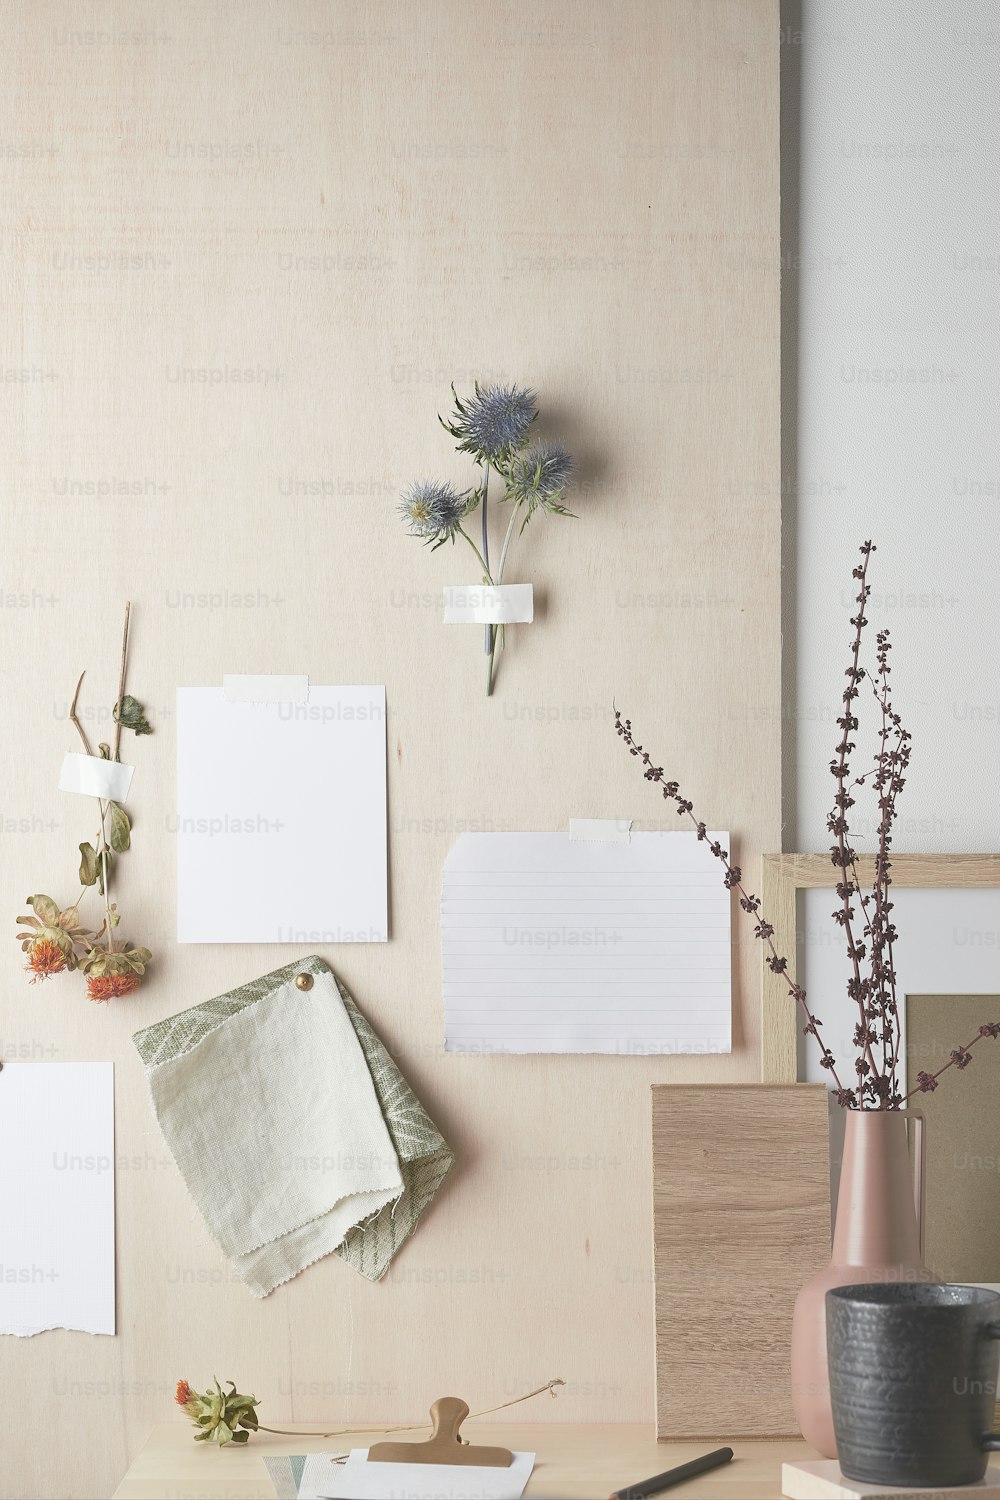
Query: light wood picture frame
<point x="783" y="876"/>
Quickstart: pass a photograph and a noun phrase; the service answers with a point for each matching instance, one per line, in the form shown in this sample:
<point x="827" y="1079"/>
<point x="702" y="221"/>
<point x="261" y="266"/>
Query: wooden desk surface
<point x="572" y="1463"/>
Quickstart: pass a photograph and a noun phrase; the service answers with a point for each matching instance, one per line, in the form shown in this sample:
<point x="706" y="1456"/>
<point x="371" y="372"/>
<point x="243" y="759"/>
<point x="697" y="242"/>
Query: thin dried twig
<point x="960" y="1058"/>
<point x="102" y="845"/>
<point x="842" y="854"/>
<point x="73" y="718"/>
<point x="121" y="683"/>
<point x="550" y="1386"/>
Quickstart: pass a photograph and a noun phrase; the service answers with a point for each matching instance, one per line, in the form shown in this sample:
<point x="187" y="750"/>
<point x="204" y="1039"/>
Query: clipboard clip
<point x="445" y="1445"/>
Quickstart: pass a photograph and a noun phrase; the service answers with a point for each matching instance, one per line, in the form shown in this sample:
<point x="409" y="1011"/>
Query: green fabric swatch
<point x="425" y="1159"/>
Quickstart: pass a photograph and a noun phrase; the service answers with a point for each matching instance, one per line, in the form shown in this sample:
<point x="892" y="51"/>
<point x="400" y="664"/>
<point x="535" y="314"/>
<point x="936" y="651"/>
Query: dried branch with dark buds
<point x="868" y="927"/>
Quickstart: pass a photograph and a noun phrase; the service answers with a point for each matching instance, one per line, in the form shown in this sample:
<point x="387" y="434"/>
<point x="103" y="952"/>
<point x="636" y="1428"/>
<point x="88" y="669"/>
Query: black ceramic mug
<point x="913" y="1381"/>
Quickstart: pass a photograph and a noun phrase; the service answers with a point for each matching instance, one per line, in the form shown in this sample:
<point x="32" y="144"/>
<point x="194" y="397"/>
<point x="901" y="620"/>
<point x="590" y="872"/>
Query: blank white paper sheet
<point x="359" y="1479"/>
<point x="558" y="945"/>
<point x="57" y="1190"/>
<point x="281" y="817"/>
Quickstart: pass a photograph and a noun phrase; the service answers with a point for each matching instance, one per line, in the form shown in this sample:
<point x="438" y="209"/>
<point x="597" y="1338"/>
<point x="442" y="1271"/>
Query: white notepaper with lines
<point x="553" y="945"/>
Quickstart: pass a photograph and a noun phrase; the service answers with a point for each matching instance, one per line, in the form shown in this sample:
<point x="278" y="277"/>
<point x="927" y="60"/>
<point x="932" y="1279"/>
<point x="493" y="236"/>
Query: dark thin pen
<point x="659" y="1482"/>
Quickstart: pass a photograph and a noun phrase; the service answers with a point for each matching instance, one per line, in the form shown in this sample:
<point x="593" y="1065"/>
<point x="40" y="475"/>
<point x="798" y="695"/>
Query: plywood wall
<point x="245" y="249"/>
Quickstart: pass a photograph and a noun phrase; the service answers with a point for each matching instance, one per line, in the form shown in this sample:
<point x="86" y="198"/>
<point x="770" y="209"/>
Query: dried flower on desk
<point x="225" y="1416"/>
<point x="55" y="941"/>
<point x="492" y="425"/>
<point x="869" y="932"/>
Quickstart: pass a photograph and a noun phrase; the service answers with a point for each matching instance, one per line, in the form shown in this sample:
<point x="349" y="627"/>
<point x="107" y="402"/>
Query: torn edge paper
<point x="93" y="776"/>
<point x="600" y="830"/>
<point x="265" y="688"/>
<point x="478" y="604"/>
<point x="57" y="1165"/>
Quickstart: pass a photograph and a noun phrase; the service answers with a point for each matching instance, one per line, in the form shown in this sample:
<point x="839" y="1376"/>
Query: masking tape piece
<point x="92" y="776"/>
<point x="478" y="604"/>
<point x="266" y="688"/>
<point x="600" y="830"/>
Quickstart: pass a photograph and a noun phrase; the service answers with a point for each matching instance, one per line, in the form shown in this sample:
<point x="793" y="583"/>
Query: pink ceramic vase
<point x="878" y="1237"/>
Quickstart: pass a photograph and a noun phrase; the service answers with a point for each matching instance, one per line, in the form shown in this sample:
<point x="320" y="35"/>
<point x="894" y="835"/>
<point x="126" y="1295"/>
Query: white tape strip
<point x="92" y="776"/>
<point x="476" y="604"/>
<point x="600" y="830"/>
<point x="265" y="689"/>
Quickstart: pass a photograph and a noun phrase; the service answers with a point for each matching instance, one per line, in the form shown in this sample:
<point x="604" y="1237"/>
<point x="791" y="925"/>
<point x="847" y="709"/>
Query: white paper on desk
<point x="557" y="945"/>
<point x="358" y="1479"/>
<point x="281" y="818"/>
<point x="57" y="1191"/>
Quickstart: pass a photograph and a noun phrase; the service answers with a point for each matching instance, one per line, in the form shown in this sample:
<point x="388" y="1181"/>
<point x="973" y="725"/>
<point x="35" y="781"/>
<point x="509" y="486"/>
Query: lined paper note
<point x="553" y="945"/>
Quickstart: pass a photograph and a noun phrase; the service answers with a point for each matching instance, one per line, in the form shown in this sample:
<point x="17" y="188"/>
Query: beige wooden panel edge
<point x="784" y="875"/>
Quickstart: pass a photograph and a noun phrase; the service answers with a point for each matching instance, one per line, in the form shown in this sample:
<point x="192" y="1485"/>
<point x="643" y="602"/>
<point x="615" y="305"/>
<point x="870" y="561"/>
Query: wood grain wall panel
<point x="741" y="1219"/>
<point x="245" y="248"/>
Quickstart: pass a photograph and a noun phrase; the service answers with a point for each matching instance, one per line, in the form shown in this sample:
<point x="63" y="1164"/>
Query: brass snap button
<point x="303" y="981"/>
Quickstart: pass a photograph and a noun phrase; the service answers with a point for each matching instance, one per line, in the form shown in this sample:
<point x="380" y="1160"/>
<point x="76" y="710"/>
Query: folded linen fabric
<point x="335" y="1152"/>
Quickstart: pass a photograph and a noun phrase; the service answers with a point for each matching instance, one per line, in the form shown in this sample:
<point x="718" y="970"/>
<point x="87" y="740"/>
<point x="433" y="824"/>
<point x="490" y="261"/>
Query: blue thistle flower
<point x="493" y="424"/>
<point x="538" y="477"/>
<point x="432" y="510"/>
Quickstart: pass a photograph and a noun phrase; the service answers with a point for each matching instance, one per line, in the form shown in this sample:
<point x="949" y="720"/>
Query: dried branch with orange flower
<point x="228" y="1417"/>
<point x="53" y="939"/>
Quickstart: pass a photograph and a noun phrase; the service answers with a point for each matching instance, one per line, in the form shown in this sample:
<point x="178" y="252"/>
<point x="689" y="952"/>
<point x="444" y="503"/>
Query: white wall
<point x="897" y="430"/>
